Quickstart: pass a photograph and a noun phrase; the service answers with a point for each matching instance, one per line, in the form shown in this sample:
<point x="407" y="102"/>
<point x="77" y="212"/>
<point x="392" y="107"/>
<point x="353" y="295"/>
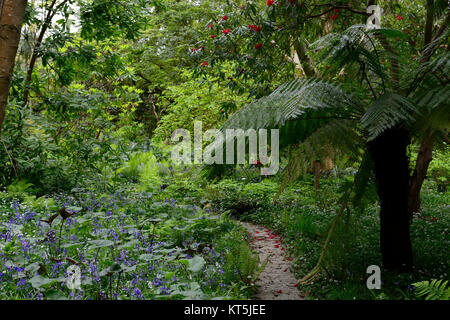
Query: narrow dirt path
<point x="276" y="282"/>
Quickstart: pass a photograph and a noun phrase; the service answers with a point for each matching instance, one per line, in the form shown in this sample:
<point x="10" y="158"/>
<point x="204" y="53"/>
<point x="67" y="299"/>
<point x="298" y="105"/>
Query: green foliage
<point x="439" y="168"/>
<point x="102" y="19"/>
<point x="241" y="260"/>
<point x="142" y="168"/>
<point x="122" y="236"/>
<point x="433" y="290"/>
<point x="331" y="141"/>
<point x="240" y="199"/>
<point x="84" y="185"/>
<point x="19" y="187"/>
<point x="195" y="100"/>
<point x="245" y="262"/>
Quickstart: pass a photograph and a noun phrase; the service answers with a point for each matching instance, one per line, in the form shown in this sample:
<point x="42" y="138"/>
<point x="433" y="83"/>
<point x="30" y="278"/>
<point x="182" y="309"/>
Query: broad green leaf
<point x="101" y="243"/>
<point x="39" y="281"/>
<point x="147" y="257"/>
<point x="55" y="295"/>
<point x="196" y="264"/>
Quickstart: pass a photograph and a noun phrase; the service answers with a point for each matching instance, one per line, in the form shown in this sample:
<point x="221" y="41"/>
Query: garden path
<point x="276" y="282"/>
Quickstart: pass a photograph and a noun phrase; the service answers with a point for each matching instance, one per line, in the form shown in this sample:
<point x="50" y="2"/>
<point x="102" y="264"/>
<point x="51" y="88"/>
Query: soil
<point x="276" y="282"/>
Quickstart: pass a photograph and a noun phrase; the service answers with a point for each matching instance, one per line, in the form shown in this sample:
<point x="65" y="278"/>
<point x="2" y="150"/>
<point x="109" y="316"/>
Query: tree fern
<point x="433" y="290"/>
<point x="432" y="73"/>
<point x="292" y="100"/>
<point x="434" y="106"/>
<point x="324" y="119"/>
<point x="386" y="112"/>
<point x="359" y="44"/>
<point x="337" y="137"/>
<point x="295" y="101"/>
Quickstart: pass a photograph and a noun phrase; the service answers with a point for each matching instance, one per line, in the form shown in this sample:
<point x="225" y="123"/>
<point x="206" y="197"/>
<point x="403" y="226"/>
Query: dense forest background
<point x="91" y="97"/>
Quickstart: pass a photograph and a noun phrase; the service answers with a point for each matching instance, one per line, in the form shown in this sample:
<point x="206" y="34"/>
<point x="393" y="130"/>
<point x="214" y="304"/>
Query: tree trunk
<point x="317" y="173"/>
<point x="11" y="18"/>
<point x="304" y="59"/>
<point x="390" y="159"/>
<point x="424" y="158"/>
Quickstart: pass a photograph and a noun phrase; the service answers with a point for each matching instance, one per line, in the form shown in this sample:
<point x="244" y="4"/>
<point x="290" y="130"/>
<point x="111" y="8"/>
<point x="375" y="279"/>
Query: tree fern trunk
<point x="388" y="152"/>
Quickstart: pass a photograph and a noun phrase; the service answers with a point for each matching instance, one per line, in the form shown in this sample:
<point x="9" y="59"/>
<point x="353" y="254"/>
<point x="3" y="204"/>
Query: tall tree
<point x="12" y="13"/>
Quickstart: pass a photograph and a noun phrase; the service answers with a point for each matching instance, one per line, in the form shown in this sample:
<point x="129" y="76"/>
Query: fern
<point x="433" y="290"/>
<point x="246" y="263"/>
<point x="386" y="112"/>
<point x="260" y="269"/>
<point x="335" y="138"/>
<point x="292" y="100"/>
<point x="324" y="119"/>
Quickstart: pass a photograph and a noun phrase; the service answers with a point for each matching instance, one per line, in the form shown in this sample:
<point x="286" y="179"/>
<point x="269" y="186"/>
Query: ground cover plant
<point x="302" y="217"/>
<point x="130" y="245"/>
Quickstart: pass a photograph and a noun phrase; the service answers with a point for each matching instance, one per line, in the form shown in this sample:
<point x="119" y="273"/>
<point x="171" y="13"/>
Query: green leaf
<point x="77" y="209"/>
<point x="130" y="244"/>
<point x="147" y="257"/>
<point x="32" y="268"/>
<point x="55" y="295"/>
<point x="101" y="243"/>
<point x="184" y="261"/>
<point x="39" y="281"/>
<point x="169" y="275"/>
<point x="127" y="269"/>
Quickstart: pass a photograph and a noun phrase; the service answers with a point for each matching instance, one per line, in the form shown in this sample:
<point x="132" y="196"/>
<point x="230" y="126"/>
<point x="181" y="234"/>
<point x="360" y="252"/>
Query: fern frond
<point x="290" y="101"/>
<point x="434" y="106"/>
<point x="430" y="74"/>
<point x="360" y="44"/>
<point x="260" y="269"/>
<point x="287" y="106"/>
<point x="433" y="290"/>
<point x="334" y="138"/>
